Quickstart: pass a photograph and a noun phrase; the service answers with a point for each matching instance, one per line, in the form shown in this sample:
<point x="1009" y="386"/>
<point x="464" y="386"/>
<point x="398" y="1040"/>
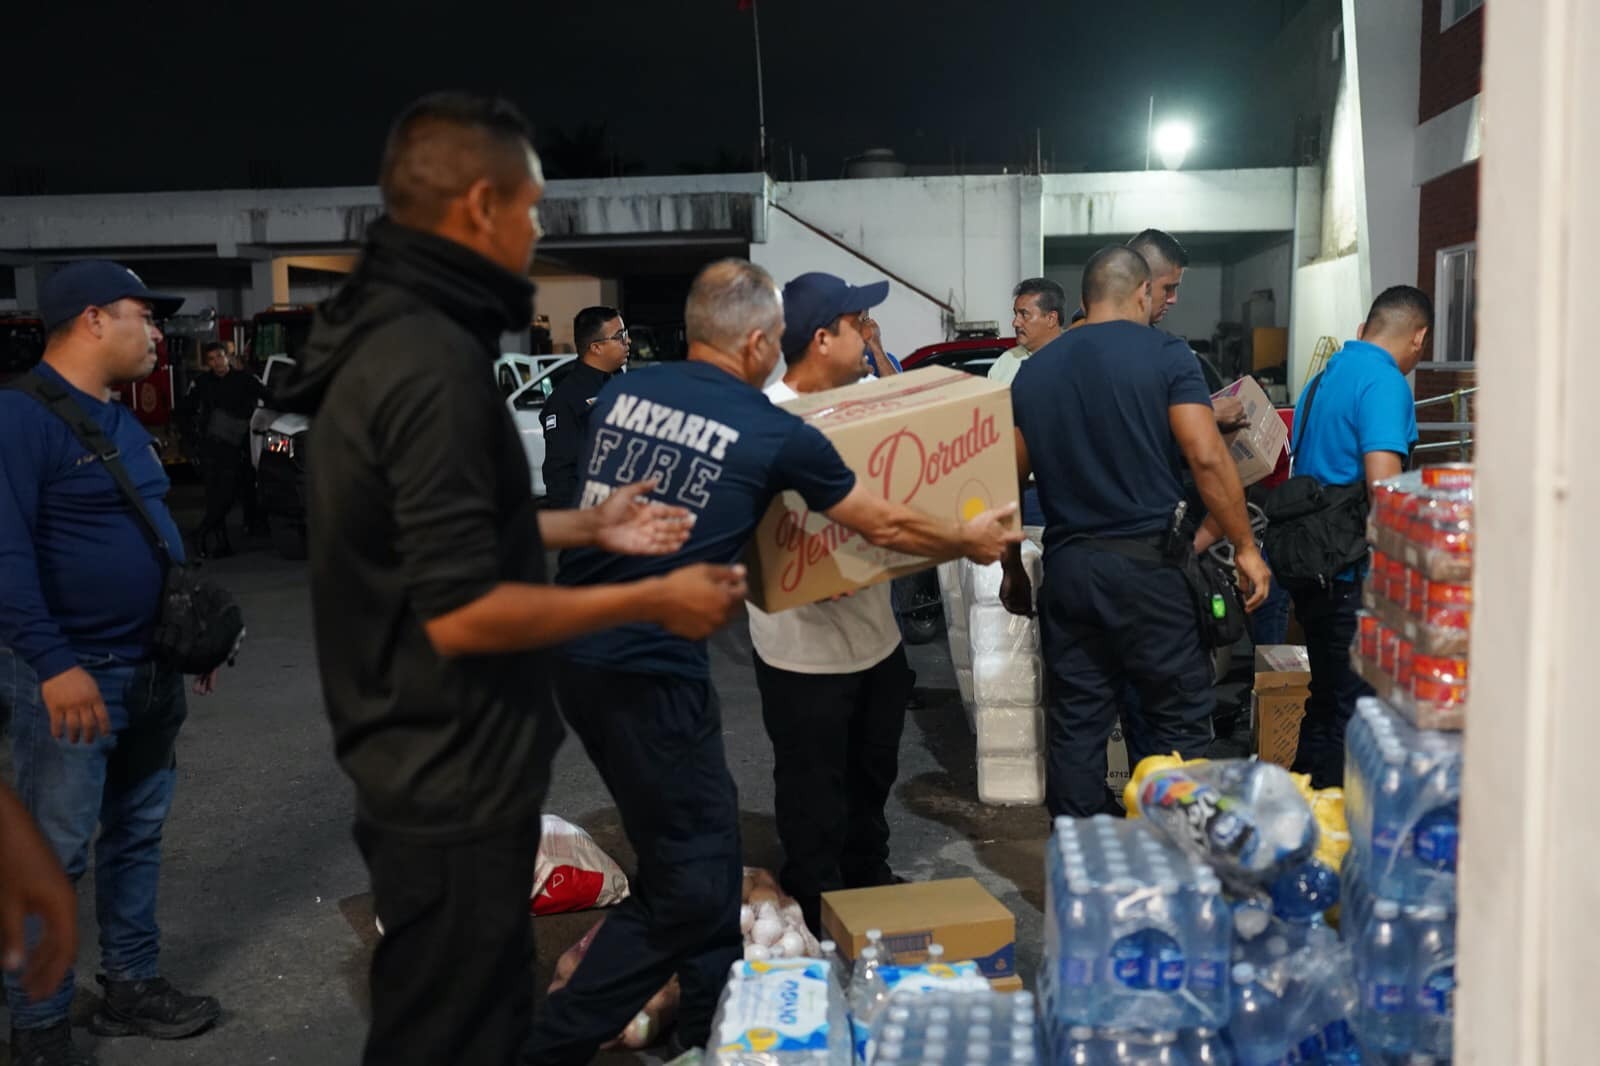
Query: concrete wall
<point x="1269" y="269"/>
<point x="563" y="296"/>
<point x="1179" y="201"/>
<point x="1328" y="302"/>
<point x="1199" y="306"/>
<point x="959" y="240"/>
<point x="909" y="320"/>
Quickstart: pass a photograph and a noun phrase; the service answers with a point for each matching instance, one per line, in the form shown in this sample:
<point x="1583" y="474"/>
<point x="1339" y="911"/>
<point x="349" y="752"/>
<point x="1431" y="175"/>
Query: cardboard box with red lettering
<point x="936" y="439"/>
<point x="1257" y="447"/>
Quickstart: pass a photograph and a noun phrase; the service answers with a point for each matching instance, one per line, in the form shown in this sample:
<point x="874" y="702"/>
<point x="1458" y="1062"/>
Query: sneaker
<point x="47" y="1047"/>
<point x="151" y="1008"/>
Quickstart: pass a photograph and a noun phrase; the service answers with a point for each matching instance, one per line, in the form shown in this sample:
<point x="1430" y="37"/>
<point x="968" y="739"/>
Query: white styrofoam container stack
<point x="1000" y="672"/>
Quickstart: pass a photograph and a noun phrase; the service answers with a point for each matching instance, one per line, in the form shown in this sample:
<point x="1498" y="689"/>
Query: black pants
<point x="1329" y="618"/>
<point x="835" y="755"/>
<point x="657" y="742"/>
<point x="1109" y="622"/>
<point x="452" y="977"/>
<point x="225" y="470"/>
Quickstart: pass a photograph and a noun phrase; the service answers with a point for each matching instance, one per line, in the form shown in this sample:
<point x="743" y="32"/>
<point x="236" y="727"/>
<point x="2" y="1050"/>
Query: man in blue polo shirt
<point x="94" y="717"/>
<point x="1359" y="425"/>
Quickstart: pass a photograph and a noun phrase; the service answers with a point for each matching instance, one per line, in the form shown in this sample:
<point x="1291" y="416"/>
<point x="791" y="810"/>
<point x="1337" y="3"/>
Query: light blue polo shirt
<point x="1364" y="404"/>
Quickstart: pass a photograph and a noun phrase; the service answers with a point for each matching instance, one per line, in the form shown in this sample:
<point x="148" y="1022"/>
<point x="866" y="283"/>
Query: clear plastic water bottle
<point x="1083" y="935"/>
<point x="1211" y="939"/>
<point x="1435" y="939"/>
<point x="866" y="996"/>
<point x="1257" y="1026"/>
<point x="1205" y="1047"/>
<point x="1081" y="1048"/>
<point x="1384" y="961"/>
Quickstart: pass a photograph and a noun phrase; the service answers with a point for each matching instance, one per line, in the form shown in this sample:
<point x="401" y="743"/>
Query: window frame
<point x="1445" y="6"/>
<point x="1444" y="326"/>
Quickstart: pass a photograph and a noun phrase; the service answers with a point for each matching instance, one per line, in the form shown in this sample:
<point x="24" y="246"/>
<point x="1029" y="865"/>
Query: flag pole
<point x="761" y="95"/>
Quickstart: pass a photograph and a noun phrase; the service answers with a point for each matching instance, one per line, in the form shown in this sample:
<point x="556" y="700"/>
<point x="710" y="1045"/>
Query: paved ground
<point x="264" y="897"/>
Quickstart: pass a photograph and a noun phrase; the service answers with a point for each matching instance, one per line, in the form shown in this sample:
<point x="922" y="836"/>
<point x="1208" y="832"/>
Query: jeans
<point x="122" y="783"/>
<point x="1329" y="619"/>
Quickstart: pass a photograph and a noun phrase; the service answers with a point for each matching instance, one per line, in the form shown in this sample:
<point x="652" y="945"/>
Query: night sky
<point x="166" y="95"/>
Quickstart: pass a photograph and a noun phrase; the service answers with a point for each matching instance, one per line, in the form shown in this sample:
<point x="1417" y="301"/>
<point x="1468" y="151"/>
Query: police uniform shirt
<point x="721" y="449"/>
<point x="1092" y="406"/>
<point x="564" y="417"/>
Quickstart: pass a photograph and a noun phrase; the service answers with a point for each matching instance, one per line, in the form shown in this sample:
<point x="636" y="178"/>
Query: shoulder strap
<point x="1305" y="416"/>
<point x="92" y="437"/>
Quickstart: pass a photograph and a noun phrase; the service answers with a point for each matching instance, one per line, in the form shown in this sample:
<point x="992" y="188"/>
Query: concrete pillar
<point x="1383" y="63"/>
<point x="1030" y="229"/>
<point x="27" y="279"/>
<point x="269" y="284"/>
<point x="1530" y="877"/>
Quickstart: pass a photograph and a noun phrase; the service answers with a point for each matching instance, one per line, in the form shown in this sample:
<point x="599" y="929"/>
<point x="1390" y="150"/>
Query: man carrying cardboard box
<point x="1104" y="416"/>
<point x="833" y="676"/>
<point x="641" y="699"/>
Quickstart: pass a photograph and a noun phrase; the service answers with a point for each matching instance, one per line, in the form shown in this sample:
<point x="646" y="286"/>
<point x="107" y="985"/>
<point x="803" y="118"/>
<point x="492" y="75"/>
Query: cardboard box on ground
<point x="936" y="439"/>
<point x="1283" y="681"/>
<point x="969" y="923"/>
<point x="1257" y="447"/>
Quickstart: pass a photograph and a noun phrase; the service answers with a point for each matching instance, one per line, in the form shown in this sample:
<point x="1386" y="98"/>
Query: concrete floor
<point x="264" y="897"/>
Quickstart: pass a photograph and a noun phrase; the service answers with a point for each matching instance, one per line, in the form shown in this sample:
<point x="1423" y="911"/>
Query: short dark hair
<point x="1112" y="274"/>
<point x="212" y="346"/>
<point x="444" y="143"/>
<point x="1400" y="308"/>
<point x="588" y="326"/>
<point x="1051" y="296"/>
<point x="1155" y="244"/>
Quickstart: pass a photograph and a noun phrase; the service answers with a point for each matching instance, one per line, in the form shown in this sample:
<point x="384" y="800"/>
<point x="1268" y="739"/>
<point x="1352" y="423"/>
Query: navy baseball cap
<point x="96" y="283"/>
<point x="812" y="301"/>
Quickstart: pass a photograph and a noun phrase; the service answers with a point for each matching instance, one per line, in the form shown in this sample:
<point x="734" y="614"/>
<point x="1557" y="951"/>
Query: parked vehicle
<point x="527" y="408"/>
<point x="975" y="355"/>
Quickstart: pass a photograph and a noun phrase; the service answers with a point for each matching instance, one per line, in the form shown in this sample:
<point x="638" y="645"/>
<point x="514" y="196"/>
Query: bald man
<point x="1105" y="417"/>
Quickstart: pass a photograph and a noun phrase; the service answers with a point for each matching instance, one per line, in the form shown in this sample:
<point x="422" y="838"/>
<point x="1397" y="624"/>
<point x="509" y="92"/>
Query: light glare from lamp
<point x="1173" y="140"/>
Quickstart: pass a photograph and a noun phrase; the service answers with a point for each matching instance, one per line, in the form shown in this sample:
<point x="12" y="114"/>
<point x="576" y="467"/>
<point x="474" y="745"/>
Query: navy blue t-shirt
<point x="1092" y="406"/>
<point x="77" y="575"/>
<point x="721" y="449"/>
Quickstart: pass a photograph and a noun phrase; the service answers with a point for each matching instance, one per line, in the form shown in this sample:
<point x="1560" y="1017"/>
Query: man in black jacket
<point x="428" y="582"/>
<point x="225" y="398"/>
<point x="602" y="343"/>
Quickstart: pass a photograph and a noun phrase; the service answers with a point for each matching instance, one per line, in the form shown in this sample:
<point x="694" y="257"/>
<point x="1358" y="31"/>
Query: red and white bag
<point x="571" y="872"/>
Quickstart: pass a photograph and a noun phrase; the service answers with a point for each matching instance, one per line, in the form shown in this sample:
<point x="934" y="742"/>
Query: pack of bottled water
<point x="1294" y="997"/>
<point x="1084" y="1045"/>
<point x="977" y="1027"/>
<point x="1137" y="933"/>
<point x="1405" y="968"/>
<point x="1403" y="802"/>
<point x="874" y="983"/>
<point x="781" y="1012"/>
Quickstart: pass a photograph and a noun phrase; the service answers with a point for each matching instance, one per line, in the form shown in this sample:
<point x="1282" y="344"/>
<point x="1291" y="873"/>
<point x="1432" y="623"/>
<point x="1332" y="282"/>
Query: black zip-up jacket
<point x="566" y="419"/>
<point x="418" y="504"/>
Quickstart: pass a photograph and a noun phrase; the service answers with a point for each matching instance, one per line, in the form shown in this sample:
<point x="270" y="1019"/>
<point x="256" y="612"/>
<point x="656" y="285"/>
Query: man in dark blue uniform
<point x="1106" y="416"/>
<point x="641" y="699"/>
<point x="603" y="346"/>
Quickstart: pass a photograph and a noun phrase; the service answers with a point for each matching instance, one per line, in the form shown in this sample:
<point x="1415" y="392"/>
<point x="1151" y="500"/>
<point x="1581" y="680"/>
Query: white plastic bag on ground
<point x="1010" y="730"/>
<point x="1011" y="780"/>
<point x="571" y="872"/>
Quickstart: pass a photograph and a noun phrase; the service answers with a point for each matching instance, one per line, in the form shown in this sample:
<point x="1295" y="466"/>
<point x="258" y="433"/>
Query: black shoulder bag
<point x="199" y="626"/>
<point x="1314" y="531"/>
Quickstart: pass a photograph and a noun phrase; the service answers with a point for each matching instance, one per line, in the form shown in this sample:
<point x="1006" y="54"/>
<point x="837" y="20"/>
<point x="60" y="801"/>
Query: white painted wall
<point x="1327" y="303"/>
<point x="1178" y="201"/>
<point x="1341" y="225"/>
<point x="1268" y="269"/>
<point x="959" y="240"/>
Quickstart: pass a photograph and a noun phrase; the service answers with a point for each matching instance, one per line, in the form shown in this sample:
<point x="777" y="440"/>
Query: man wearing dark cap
<point x="833" y="676"/>
<point x="1106" y="417"/>
<point x="94" y="717"/>
<point x="639" y="697"/>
